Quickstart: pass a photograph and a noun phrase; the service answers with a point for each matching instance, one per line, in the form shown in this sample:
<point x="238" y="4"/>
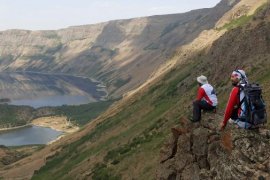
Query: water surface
<point x="52" y="101"/>
<point x="28" y="135"/>
<point x="41" y="89"/>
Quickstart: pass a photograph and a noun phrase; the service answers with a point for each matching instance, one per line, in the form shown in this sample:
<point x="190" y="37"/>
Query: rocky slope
<point x="200" y="151"/>
<point x="9" y="156"/>
<point x="125" y="141"/>
<point x="32" y="86"/>
<point x="121" y="53"/>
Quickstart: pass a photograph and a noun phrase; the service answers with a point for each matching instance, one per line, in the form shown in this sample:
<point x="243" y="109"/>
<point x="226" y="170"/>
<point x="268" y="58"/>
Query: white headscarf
<point x="241" y="75"/>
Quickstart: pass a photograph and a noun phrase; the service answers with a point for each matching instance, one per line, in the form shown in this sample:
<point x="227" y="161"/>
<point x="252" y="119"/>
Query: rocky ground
<point x="201" y="151"/>
<point x="10" y="155"/>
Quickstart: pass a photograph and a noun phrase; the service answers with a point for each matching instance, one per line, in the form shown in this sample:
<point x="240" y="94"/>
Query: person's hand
<point x="222" y="126"/>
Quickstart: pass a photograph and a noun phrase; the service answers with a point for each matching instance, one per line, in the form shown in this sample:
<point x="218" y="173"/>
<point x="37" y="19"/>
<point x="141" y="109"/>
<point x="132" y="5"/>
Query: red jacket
<point x="207" y="93"/>
<point x="234" y="100"/>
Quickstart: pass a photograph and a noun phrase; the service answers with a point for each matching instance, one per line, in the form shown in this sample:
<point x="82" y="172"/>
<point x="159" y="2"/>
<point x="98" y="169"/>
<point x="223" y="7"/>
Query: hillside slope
<point x="120" y="53"/>
<point x="126" y="140"/>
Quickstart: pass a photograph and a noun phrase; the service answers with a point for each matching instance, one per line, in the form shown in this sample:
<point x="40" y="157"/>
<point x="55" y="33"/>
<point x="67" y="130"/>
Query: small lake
<point x="28" y="135"/>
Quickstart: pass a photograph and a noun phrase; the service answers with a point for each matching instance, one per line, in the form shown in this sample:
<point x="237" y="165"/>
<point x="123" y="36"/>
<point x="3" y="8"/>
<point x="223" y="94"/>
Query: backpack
<point x="255" y="109"/>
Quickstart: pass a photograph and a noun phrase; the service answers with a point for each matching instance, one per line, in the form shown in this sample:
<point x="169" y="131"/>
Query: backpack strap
<point x="244" y="100"/>
<point x="239" y="93"/>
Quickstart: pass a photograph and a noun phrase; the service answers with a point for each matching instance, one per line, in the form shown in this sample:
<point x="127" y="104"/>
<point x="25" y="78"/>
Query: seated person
<point x="206" y="98"/>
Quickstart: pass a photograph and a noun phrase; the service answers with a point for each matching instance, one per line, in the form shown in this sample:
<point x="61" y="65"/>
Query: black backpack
<point x="255" y="109"/>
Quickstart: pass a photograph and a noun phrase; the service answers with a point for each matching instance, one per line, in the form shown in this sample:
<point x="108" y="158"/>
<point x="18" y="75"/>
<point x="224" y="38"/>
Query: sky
<point x="57" y="14"/>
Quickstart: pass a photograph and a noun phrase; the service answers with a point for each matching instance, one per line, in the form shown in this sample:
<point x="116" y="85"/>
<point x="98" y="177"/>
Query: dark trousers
<point x="234" y="115"/>
<point x="198" y="106"/>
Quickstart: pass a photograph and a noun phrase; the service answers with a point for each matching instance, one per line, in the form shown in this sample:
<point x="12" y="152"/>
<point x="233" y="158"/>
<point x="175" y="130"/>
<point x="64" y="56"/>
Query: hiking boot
<point x="191" y="119"/>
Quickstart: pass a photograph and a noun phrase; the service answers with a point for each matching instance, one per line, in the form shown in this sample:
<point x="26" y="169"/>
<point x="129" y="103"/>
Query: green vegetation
<point x="128" y="142"/>
<point x="145" y="127"/>
<point x="242" y="20"/>
<point x="261" y="9"/>
<point x="236" y="23"/>
<point x="12" y="116"/>
<point x="81" y="114"/>
<point x="36" y="147"/>
<point x="138" y="130"/>
<point x="10" y="155"/>
<point x="101" y="171"/>
<point x="116" y="155"/>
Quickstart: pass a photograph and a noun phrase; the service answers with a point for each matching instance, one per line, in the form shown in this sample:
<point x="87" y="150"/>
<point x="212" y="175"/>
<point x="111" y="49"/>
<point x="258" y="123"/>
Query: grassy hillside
<point x="126" y="145"/>
<point x="12" y="116"/>
<point x="81" y="114"/>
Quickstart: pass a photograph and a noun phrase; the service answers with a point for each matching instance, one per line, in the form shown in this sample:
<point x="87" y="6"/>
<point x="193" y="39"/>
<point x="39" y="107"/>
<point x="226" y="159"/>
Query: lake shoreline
<point x="58" y="123"/>
<point x="62" y="124"/>
<point x="14" y="128"/>
<point x="82" y="89"/>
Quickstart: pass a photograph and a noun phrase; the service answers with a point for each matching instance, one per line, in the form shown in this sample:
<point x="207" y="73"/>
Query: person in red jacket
<point x="235" y="108"/>
<point x="206" y="98"/>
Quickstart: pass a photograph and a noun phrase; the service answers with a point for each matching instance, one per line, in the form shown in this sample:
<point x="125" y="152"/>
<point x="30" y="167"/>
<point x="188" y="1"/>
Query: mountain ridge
<point x="122" y="53"/>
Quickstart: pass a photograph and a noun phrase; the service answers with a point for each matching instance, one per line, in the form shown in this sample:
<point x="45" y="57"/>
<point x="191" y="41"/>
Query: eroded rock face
<point x="200" y="151"/>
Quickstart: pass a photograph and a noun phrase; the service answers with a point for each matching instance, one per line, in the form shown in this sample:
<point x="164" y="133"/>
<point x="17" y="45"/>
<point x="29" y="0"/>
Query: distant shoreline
<point x="100" y="86"/>
<point x="57" y="123"/>
<point x="15" y="128"/>
<point x="48" y="122"/>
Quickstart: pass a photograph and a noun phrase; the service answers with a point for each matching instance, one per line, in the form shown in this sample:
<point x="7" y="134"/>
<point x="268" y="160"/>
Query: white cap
<point x="202" y="79"/>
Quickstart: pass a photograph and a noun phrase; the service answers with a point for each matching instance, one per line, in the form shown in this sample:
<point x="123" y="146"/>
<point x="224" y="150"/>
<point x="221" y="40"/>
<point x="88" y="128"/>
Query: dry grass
<point x="57" y="123"/>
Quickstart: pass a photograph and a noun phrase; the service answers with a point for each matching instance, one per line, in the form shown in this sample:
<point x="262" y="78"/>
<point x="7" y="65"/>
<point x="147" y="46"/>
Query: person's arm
<point x="233" y="100"/>
<point x="201" y="94"/>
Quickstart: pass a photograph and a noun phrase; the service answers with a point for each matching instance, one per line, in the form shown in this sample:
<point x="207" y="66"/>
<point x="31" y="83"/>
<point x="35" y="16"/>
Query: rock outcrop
<point x="201" y="151"/>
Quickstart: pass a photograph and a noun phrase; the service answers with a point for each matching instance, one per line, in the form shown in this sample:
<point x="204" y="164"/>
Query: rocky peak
<point x="200" y="151"/>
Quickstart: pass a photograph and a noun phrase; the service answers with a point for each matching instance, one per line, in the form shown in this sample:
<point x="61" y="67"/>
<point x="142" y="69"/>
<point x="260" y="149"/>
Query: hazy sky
<point x="55" y="14"/>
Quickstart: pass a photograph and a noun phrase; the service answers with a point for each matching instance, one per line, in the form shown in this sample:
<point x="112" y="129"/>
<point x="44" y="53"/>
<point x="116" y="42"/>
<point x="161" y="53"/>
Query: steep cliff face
<point x="121" y="53"/>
